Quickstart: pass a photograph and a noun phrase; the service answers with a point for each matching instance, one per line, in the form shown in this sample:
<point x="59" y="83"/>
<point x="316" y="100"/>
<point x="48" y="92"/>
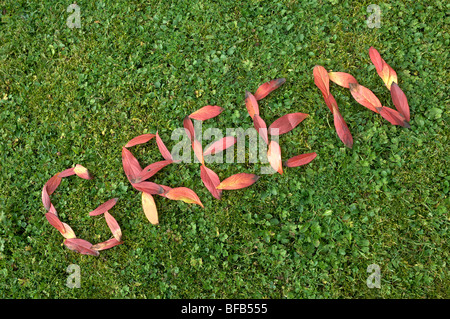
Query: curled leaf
<point x="184" y="194"/>
<point x="301" y="159"/>
<point x="266" y="88"/>
<point x="286" y="123"/>
<point x="238" y="181"/>
<point x="206" y="112"/>
<point x="141" y="139"/>
<point x="149" y="207"/>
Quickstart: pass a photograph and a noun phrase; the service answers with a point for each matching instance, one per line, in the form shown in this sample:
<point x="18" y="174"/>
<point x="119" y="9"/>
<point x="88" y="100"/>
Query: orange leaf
<point x="322" y="80"/>
<point x="165" y="190"/>
<point x="149" y="187"/>
<point x="274" y="156"/>
<point x="151" y="170"/>
<point x="301" y="159"/>
<point x="130" y="164"/>
<point x="394" y="117"/>
<point x="261" y="127"/>
<point x="82" y="172"/>
<point x="210" y="180"/>
<point x="106" y="244"/>
<point x="265" y="88"/>
<point x="162" y="148"/>
<point x="184" y="194"/>
<point x="251" y="103"/>
<point x="342" y="79"/>
<point x="400" y="101"/>
<point x="81" y="246"/>
<point x="238" y="181"/>
<point x="149" y="207"/>
<point x="286" y="123"/>
<point x="365" y="97"/>
<point x="342" y="129"/>
<point x="220" y="145"/>
<point x="189" y="128"/>
<point x="113" y="225"/>
<point x="206" y="112"/>
<point x="141" y="139"/>
<point x="104" y="207"/>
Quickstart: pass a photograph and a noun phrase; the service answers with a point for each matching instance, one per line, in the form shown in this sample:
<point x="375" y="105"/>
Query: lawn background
<point x="72" y="96"/>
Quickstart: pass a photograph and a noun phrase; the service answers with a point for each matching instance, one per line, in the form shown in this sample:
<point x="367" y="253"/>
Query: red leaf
<point x="251" y="103"/>
<point x="149" y="207"/>
<point x="198" y="151"/>
<point x="106" y="244"/>
<point x="81" y="246"/>
<point x="238" y="181"/>
<point x="141" y="139"/>
<point x="220" y="145"/>
<point x="67" y="172"/>
<point x="82" y="172"/>
<point x="301" y="159"/>
<point x="130" y="164"/>
<point x="331" y="102"/>
<point x="149" y="187"/>
<point x="53" y="183"/>
<point x="113" y="225"/>
<point x="400" y="101"/>
<point x="384" y="70"/>
<point x="151" y="170"/>
<point x="261" y="127"/>
<point x="322" y="80"/>
<point x="104" y="207"/>
<point x="365" y="97"/>
<point x="274" y="156"/>
<point x="162" y="148"/>
<point x="393" y="116"/>
<point x="46" y="198"/>
<point x="55" y="222"/>
<point x="165" y="190"/>
<point x="286" y="123"/>
<point x="342" y="79"/>
<point x="206" y="112"/>
<point x="210" y="180"/>
<point x="264" y="89"/>
<point x="342" y="129"/>
<point x="189" y="128"/>
<point x="184" y="194"/>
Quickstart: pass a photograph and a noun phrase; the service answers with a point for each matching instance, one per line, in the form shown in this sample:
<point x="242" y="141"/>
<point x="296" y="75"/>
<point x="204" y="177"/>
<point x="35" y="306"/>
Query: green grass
<point x="77" y="95"/>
